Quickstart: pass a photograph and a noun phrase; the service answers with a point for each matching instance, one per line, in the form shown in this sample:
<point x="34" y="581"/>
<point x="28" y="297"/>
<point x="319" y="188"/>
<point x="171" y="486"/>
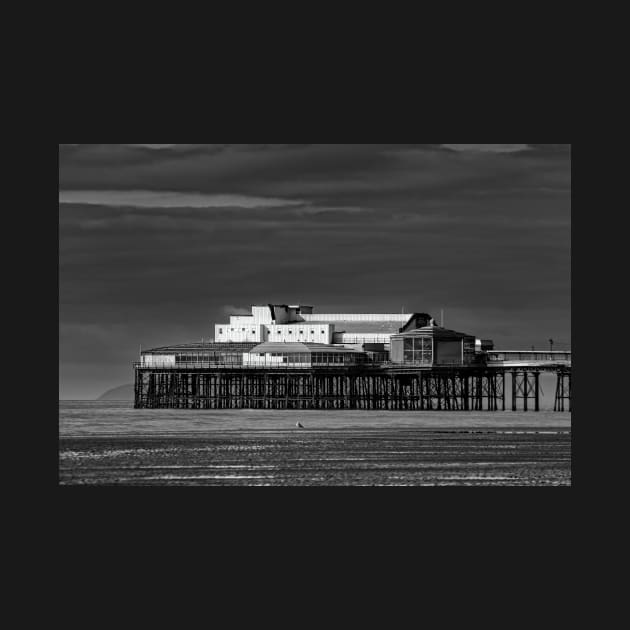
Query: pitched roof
<point x="380" y="328"/>
<point x="299" y="348"/>
<point x="434" y="331"/>
<point x="200" y="348"/>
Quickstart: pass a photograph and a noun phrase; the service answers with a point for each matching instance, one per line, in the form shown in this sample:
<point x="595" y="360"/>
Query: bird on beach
<point x="299" y="426"/>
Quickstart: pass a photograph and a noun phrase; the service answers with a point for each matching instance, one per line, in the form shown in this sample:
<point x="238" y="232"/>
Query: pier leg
<point x="514" y="390"/>
<point x="563" y="391"/>
<point x="466" y="388"/>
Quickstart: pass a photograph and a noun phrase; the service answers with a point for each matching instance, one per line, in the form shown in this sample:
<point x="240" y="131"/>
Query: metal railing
<point x="556" y="357"/>
<point x="529" y="355"/>
<point x="212" y="365"/>
<point x="369" y="365"/>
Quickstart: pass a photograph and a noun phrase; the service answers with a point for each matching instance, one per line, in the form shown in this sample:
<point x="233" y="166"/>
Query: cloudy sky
<point x="157" y="242"/>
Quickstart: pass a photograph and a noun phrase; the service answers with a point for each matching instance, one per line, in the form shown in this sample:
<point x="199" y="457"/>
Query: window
<point x="323" y="332"/>
<point x="290" y="332"/>
<point x="220" y="331"/>
<point x="418" y="350"/>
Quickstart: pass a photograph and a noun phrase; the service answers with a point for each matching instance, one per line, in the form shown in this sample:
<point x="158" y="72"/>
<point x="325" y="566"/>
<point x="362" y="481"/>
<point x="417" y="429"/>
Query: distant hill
<point x="124" y="392"/>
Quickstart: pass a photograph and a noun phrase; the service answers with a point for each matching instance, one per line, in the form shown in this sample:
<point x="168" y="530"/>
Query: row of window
<point x="314" y="358"/>
<point x="418" y="343"/>
<point x="278" y="332"/>
<point x="208" y="358"/>
<point x="425" y="358"/>
<point x="301" y="332"/>
<point x="418" y="350"/>
<point x="232" y="330"/>
<point x="528" y="356"/>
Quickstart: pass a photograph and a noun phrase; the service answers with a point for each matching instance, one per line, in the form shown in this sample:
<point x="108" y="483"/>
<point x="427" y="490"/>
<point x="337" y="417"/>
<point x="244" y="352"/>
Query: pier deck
<point x="371" y="387"/>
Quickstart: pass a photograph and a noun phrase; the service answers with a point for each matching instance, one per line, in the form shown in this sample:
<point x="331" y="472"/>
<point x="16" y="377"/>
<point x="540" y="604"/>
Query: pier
<point x="369" y="387"/>
<point x="286" y="357"/>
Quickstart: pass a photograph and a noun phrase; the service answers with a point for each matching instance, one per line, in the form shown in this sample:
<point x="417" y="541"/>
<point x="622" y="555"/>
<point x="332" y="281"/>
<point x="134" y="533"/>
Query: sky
<point x="158" y="242"/>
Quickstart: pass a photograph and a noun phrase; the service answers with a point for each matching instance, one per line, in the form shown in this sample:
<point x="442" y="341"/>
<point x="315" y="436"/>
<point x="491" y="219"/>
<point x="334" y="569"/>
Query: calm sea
<point x="110" y="443"/>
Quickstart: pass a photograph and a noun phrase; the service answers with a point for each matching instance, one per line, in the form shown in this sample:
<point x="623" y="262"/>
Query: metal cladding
<point x="200" y="347"/>
<point x="309" y="348"/>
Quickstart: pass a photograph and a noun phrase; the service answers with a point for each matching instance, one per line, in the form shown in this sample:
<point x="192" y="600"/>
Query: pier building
<point x="433" y="345"/>
<point x="288" y="357"/>
<point x="297" y="323"/>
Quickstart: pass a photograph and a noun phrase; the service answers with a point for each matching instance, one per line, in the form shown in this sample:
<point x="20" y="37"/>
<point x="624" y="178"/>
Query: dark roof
<point x="417" y="320"/>
<point x="433" y="331"/>
<point x="199" y="348"/>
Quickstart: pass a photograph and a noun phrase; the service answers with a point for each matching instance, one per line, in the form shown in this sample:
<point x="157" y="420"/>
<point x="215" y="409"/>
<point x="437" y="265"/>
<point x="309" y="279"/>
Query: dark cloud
<point x="482" y="234"/>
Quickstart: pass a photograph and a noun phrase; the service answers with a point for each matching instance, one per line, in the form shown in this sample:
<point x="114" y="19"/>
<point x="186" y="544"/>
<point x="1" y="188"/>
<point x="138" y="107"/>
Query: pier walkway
<point x="534" y="359"/>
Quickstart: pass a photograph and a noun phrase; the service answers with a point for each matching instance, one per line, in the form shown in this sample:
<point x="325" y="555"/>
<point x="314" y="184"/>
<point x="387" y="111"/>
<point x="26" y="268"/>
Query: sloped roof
<point x="199" y="348"/>
<point x="370" y="323"/>
<point x="433" y="331"/>
<point x="381" y="328"/>
<point x="298" y="348"/>
<point x="358" y="317"/>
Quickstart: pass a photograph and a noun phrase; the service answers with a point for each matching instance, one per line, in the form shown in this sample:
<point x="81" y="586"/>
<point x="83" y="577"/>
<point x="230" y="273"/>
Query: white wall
<point x="243" y="333"/>
<point x="301" y="333"/>
<point x="242" y="320"/>
<point x="261" y="314"/>
<point x="282" y="333"/>
<point x="259" y="327"/>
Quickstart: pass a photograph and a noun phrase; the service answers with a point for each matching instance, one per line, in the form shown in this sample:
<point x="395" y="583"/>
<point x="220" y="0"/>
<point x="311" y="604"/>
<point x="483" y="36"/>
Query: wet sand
<point x="112" y="444"/>
<point x="398" y="457"/>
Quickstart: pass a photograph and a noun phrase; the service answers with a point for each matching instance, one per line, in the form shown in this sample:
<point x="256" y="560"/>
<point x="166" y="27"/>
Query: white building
<point x="281" y="323"/>
<point x="276" y="323"/>
<point x="279" y="335"/>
